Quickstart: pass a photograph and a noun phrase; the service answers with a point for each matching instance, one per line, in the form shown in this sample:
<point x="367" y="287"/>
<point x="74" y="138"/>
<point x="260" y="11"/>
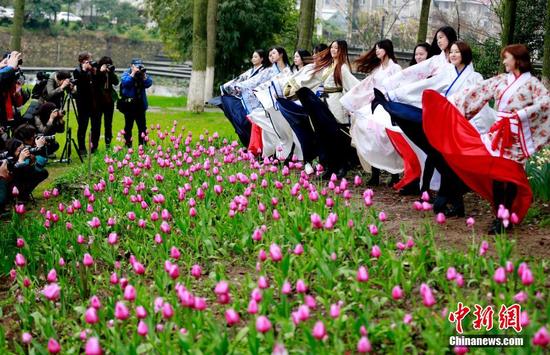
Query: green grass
<point x="163" y="111"/>
<point x="166" y="102"/>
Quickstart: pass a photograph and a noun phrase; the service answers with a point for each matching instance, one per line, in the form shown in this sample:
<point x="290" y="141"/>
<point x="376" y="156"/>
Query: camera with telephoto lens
<point x="111" y="68"/>
<point x="10" y="161"/>
<point x="47" y="138"/>
<point x="140" y="74"/>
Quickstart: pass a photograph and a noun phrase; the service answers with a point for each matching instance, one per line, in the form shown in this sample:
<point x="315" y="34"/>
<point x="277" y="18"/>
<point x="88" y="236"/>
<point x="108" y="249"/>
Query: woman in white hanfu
<point x="331" y="74"/>
<point x="368" y="136"/>
<point x="492" y="163"/>
<point x="270" y="119"/>
<point x="259" y="142"/>
<point x="232" y="106"/>
<point x="452" y="78"/>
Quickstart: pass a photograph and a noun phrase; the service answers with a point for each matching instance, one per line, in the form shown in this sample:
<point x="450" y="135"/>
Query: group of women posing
<point x="431" y="121"/>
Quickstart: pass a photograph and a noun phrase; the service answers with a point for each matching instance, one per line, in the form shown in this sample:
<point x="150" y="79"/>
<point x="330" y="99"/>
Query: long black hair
<point x="304" y="55"/>
<point x="265" y="58"/>
<point x="424" y="45"/>
<point x="450" y="33"/>
<point x="369" y="61"/>
<point x="282" y="52"/>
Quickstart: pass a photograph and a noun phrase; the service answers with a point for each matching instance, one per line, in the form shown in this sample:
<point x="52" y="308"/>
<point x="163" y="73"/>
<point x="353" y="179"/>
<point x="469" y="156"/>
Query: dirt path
<point x="532" y="237"/>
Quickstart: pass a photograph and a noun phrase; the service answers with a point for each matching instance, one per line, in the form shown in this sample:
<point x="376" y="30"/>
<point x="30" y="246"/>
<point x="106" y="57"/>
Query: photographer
<point x="30" y="153"/>
<point x="56" y="86"/>
<point x="84" y="76"/>
<point x="11" y="90"/>
<point x="133" y="101"/>
<point x="106" y="97"/>
<point x="48" y="121"/>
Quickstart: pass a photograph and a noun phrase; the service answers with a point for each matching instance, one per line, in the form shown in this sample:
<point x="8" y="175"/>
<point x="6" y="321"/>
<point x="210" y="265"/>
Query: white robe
<point x="276" y="130"/>
<point x="307" y="78"/>
<point x="368" y="134"/>
<point x="446" y="82"/>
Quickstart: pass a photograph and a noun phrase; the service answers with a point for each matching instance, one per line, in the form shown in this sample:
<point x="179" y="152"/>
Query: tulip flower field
<point x="192" y="245"/>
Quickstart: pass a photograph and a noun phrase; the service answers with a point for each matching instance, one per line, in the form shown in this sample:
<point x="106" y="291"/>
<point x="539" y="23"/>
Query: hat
<point x="137" y="61"/>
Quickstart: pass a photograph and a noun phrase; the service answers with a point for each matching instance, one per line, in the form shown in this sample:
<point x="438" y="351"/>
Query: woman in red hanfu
<point x="492" y="163"/>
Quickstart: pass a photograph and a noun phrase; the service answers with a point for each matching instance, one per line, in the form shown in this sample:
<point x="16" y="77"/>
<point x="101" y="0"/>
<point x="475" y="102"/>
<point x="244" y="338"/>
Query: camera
<point x="111" y="68"/>
<point x="47" y="138"/>
<point x="140" y="74"/>
<point x="73" y="82"/>
<point x="41" y="76"/>
<point x="11" y="162"/>
<point x="35" y="150"/>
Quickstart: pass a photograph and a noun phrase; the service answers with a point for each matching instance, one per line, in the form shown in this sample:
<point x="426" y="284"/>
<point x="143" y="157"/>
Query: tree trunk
<point x="17" y="29"/>
<point x="509" y="22"/>
<point x="212" y="19"/>
<point x="195" y="97"/>
<point x="423" y="25"/>
<point x="307" y="21"/>
<point x="546" y="58"/>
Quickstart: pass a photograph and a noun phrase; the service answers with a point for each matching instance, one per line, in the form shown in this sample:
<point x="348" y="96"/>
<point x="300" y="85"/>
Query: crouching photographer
<point x="133" y="100"/>
<point x="29" y="158"/>
<point x="48" y="121"/>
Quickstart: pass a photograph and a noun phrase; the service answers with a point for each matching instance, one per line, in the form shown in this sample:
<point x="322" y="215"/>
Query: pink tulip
<point x="375" y="252"/>
<point x="310" y="301"/>
<point x="470" y="222"/>
<point x="262" y="282"/>
<point x="142" y="328"/>
<point x="231" y="317"/>
<point x="459" y="280"/>
<point x="301" y="286"/>
<point x="286" y="289"/>
<point x="451" y="273"/>
<point x="275" y="252"/>
<point x="138" y="268"/>
<point x="483" y="248"/>
<point x="334" y="310"/>
<point x="141" y="313"/>
<point x="199" y="303"/>
<point x="524" y="319"/>
<point x="373" y="229"/>
<point x="196" y="271"/>
<point x="262" y="255"/>
<point x="319" y="331"/>
<point x="500" y="275"/>
<point x="426" y="206"/>
<point x="113" y="279"/>
<point x="121" y="311"/>
<point x="252" y="307"/>
<point x="20" y="209"/>
<point x="460" y="350"/>
<point x="263" y="325"/>
<point x="397" y="293"/>
<point x="521" y="297"/>
<point x="541" y="338"/>
<point x="362" y="274"/>
<point x="522" y="267"/>
<point x="92" y="347"/>
<point x="175" y="253"/>
<point x="167" y="310"/>
<point x="440" y="218"/>
<point x="20" y="243"/>
<point x="129" y="293"/>
<point x="298" y="249"/>
<point x="87" y="260"/>
<point x="90" y="316"/>
<point x="316" y="221"/>
<point x="222" y="287"/>
<point x="20" y="260"/>
<point x="427" y="297"/>
<point x="509" y="267"/>
<point x="363" y="345"/>
<point x="417" y="205"/>
<point x="112" y="239"/>
<point x="279" y="349"/>
<point x="407" y="319"/>
<point x="51" y="291"/>
<point x="26" y="338"/>
<point x="53" y="346"/>
<point x="527" y="277"/>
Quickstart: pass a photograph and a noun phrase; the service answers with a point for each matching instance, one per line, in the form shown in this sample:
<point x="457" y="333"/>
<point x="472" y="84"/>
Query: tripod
<point x="67" y="148"/>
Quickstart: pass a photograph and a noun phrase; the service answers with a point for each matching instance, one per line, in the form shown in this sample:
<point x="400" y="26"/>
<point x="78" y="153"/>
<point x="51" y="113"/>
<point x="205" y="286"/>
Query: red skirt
<point x="412" y="168"/>
<point x="461" y="146"/>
